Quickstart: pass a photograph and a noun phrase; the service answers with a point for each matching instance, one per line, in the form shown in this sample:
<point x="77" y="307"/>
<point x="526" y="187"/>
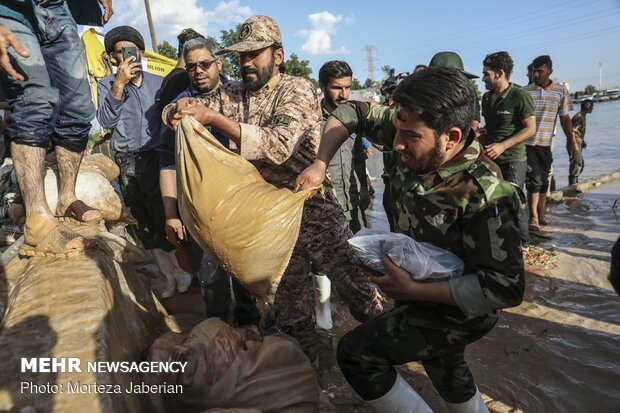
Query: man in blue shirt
<point x="203" y="70"/>
<point x="43" y="73"/>
<point x="129" y="104"/>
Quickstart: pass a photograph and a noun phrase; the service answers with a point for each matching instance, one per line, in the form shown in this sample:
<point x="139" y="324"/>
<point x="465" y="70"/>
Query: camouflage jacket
<point x="463" y="207"/>
<point x="280" y="125"/>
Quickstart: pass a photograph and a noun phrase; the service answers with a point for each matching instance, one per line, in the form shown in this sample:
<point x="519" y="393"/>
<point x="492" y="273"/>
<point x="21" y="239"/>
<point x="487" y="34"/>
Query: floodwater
<point x="603" y="138"/>
<point x="560" y="350"/>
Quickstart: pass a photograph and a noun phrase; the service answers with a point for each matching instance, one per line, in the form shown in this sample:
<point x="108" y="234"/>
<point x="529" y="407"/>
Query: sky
<point x="581" y="36"/>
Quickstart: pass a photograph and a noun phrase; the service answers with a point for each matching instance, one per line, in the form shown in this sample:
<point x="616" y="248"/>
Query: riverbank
<point x="557" y="352"/>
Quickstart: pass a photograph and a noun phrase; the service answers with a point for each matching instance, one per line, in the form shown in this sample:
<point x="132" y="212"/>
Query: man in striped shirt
<point x="550" y="101"/>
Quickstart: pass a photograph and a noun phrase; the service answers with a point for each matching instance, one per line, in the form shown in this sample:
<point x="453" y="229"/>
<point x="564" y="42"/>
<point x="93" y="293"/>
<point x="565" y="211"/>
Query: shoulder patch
<point x="282" y="120"/>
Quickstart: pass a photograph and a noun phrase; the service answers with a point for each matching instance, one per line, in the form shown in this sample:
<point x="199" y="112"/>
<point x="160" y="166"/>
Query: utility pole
<point x="370" y="58"/>
<point x="600" y="75"/>
<point x="151" y="28"/>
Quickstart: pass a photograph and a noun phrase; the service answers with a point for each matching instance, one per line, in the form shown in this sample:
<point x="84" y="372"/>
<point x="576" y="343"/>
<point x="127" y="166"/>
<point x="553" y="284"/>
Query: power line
<point x="538" y="14"/>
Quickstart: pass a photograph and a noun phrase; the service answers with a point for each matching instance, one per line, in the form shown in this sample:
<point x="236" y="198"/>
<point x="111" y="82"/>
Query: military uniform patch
<point x="282" y="120"/>
<point x="244" y="31"/>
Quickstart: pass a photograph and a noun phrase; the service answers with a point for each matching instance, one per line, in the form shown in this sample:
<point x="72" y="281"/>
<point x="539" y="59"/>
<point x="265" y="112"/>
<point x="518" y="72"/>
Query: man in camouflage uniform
<point x="579" y="132"/>
<point x="446" y="192"/>
<point x="274" y="120"/>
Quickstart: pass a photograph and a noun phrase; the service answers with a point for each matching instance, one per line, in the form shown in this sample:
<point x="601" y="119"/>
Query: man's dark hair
<point x="499" y="61"/>
<point x="543" y="60"/>
<point x="334" y="68"/>
<point x="417" y="68"/>
<point x="184" y="36"/>
<point x="587" y="104"/>
<point x="442" y="96"/>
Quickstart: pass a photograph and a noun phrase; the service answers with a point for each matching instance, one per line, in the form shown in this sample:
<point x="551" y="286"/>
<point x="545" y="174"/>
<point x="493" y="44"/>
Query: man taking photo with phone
<point x="128" y="104"/>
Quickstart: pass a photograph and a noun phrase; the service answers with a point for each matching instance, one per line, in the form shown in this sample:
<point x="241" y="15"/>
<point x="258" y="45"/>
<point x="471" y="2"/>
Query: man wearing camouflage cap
<point x="447" y="192"/>
<point x="274" y="120"/>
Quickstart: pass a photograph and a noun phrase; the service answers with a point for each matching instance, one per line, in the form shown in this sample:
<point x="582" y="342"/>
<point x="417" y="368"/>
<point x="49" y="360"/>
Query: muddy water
<point x="560" y="350"/>
<point x="601" y="156"/>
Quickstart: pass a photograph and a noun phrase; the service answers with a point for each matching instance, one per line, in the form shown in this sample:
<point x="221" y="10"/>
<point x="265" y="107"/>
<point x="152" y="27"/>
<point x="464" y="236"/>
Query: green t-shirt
<point x="504" y="118"/>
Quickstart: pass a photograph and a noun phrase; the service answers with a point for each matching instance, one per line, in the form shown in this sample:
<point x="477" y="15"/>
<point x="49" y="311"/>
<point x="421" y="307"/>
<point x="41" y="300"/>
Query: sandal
<point x="75" y="213"/>
<point x="53" y="245"/>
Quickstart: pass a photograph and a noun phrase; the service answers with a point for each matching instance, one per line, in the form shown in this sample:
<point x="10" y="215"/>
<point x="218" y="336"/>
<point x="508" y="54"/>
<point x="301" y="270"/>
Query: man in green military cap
<point x="447" y="192"/>
<point x="274" y="121"/>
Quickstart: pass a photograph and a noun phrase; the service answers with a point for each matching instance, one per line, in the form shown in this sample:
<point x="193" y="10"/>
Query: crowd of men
<point x="450" y="183"/>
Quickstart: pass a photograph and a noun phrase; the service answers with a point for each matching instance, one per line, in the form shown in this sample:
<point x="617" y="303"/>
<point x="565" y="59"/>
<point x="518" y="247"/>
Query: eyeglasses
<point x="204" y="65"/>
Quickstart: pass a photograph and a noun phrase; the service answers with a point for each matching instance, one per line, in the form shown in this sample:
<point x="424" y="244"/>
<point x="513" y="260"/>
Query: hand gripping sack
<point x="249" y="225"/>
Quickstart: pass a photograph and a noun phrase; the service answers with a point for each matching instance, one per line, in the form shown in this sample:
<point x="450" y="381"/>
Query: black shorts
<point x="539" y="159"/>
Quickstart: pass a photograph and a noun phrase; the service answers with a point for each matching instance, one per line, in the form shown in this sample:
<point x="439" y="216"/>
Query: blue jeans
<point x="53" y="103"/>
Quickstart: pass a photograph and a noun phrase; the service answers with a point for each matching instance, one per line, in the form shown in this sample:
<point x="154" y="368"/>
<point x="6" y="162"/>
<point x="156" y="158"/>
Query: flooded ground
<point x="559" y="350"/>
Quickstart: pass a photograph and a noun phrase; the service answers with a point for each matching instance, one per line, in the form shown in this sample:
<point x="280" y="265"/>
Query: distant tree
<point x="355" y="84"/>
<point x="388" y="70"/>
<point x="166" y="49"/>
<point x="231" y="60"/>
<point x="590" y="90"/>
<point x="478" y="94"/>
<point x="301" y="68"/>
<point x="368" y="83"/>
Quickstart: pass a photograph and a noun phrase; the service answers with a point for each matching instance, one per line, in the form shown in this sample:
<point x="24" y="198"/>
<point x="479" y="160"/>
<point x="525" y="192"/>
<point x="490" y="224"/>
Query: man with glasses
<point x="274" y="120"/>
<point x="129" y="105"/>
<point x="203" y="71"/>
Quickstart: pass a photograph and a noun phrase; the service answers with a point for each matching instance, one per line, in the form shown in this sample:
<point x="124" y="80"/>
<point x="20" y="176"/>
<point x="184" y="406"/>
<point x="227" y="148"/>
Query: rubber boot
<point x="322" y="293"/>
<point x="400" y="399"/>
<point x="473" y="405"/>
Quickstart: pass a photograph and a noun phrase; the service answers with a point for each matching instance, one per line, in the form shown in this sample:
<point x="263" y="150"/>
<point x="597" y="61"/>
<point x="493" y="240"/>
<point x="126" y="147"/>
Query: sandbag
<point x="249" y="225"/>
<point x="94" y="188"/>
<point x="233" y="368"/>
<point x="88" y="307"/>
<point x="101" y="163"/>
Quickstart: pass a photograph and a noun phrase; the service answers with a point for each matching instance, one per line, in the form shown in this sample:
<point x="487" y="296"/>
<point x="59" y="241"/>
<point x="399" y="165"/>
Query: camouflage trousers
<point x="322" y="242"/>
<point x="410" y="332"/>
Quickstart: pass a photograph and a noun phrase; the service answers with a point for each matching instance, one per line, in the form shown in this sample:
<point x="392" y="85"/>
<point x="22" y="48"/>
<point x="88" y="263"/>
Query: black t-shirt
<point x="172" y="86"/>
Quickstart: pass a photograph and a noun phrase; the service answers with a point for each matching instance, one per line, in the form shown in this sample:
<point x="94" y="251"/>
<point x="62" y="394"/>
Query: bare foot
<point x="37" y="232"/>
<point x="37" y="227"/>
<point x="78" y="210"/>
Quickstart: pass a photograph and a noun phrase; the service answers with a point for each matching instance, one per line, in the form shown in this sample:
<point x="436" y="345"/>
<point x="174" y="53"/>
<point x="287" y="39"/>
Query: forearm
<point x="168" y="188"/>
<point x="334" y="135"/>
<point x="438" y="292"/>
<point x="520" y="137"/>
<point x="228" y="127"/>
<point x="117" y="90"/>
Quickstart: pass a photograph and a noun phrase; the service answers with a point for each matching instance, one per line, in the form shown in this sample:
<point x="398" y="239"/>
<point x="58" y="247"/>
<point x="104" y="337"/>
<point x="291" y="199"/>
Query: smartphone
<point x="129" y="51"/>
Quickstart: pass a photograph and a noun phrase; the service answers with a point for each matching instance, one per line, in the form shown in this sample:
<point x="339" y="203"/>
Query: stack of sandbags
<point x="93" y="307"/>
<point x="94" y="187"/>
<point x="231" y="368"/>
<point x="249" y="225"/>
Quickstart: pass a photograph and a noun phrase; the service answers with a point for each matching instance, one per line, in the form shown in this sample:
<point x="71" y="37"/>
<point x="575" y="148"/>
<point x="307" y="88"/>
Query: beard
<point x="332" y="102"/>
<point x="206" y="87"/>
<point x="425" y="163"/>
<point x="263" y="75"/>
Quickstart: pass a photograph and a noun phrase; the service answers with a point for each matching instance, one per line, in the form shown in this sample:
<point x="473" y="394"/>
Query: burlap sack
<point x="89" y="307"/>
<point x="249" y="225"/>
<point x="231" y="368"/>
<point x="94" y="188"/>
